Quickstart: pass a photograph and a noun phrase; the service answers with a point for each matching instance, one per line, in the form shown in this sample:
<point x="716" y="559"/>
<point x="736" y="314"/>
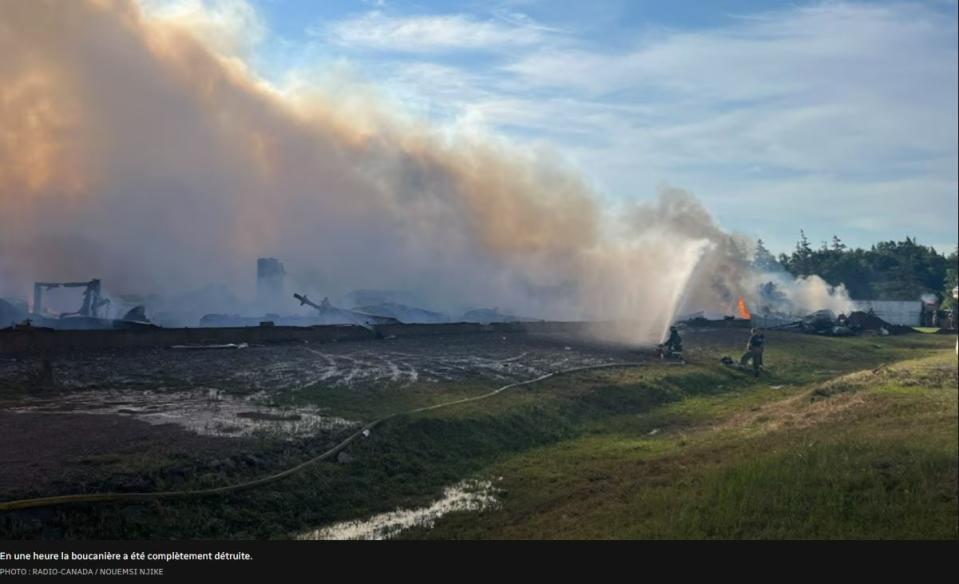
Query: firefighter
<point x="754" y="351"/>
<point x="674" y="344"/>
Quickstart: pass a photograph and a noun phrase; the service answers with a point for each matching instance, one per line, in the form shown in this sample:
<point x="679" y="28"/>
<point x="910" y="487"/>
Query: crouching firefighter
<point x="754" y="351"/>
<point x="673" y="347"/>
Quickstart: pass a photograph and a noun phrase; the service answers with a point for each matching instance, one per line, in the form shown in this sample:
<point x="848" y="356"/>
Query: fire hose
<point x="364" y="431"/>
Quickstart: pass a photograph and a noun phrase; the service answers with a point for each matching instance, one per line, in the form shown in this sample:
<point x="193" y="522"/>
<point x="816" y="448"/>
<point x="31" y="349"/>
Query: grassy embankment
<point x="869" y="454"/>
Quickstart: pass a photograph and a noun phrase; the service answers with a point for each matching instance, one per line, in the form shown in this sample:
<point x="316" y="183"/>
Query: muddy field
<point x="94" y="416"/>
<point x="248" y="370"/>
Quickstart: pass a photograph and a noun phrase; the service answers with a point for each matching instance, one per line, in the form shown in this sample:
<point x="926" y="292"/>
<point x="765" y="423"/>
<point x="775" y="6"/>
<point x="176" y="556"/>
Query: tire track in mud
<point x="364" y="366"/>
<point x="400" y="368"/>
<point x="294" y="368"/>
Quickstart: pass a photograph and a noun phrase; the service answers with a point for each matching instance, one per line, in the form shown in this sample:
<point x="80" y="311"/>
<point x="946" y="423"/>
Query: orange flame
<point x="743" y="311"/>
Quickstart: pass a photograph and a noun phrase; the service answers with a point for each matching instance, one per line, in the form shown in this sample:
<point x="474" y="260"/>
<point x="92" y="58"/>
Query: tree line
<point x="889" y="270"/>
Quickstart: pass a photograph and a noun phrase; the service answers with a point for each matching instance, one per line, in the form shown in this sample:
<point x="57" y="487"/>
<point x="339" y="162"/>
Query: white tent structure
<point x="899" y="312"/>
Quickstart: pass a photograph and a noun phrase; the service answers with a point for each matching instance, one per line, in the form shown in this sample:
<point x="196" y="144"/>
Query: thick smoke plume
<point x="131" y="150"/>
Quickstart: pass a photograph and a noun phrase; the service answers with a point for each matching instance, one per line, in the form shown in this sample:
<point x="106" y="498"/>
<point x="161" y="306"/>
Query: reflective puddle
<point x="471" y="495"/>
<point x="202" y="412"/>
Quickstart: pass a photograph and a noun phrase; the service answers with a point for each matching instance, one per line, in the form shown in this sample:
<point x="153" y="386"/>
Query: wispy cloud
<point x="417" y="34"/>
<point x="814" y="106"/>
<point x="816" y="51"/>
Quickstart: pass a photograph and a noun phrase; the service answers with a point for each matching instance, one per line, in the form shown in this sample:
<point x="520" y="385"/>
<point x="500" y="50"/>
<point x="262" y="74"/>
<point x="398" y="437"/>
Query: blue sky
<point x="838" y="118"/>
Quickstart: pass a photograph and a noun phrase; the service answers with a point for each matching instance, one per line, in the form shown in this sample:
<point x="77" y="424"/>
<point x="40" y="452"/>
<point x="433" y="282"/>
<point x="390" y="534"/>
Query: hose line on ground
<point x="116" y="497"/>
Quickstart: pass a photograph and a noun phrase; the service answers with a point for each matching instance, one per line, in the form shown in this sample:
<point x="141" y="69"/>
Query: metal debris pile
<point x="827" y="323"/>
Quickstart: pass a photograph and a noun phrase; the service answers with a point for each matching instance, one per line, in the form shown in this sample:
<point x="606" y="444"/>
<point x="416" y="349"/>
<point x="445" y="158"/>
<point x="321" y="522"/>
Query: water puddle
<point x="203" y="412"/>
<point x="469" y="495"/>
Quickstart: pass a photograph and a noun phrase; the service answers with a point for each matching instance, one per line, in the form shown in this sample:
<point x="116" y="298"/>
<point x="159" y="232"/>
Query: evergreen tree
<point x="889" y="270"/>
<point x="951" y="279"/>
<point x="801" y="263"/>
<point x="763" y="259"/>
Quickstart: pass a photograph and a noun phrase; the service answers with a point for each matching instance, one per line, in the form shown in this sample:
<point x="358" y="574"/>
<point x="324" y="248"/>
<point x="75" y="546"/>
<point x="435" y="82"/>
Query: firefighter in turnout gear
<point x="754" y="351"/>
<point x="673" y="347"/>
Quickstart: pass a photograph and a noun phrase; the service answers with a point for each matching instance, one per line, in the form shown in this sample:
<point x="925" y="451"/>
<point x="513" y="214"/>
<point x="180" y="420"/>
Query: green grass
<point x="877" y="460"/>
